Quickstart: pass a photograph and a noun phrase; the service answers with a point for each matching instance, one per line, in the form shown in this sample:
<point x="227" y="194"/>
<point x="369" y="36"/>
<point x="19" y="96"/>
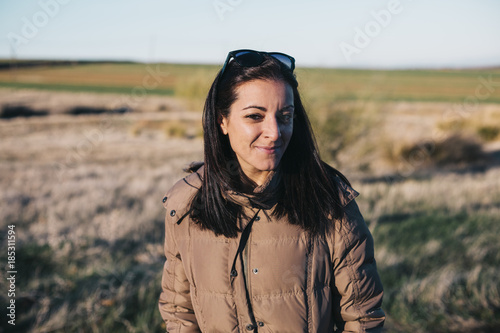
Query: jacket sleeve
<point x="175" y="304"/>
<point x="358" y="290"/>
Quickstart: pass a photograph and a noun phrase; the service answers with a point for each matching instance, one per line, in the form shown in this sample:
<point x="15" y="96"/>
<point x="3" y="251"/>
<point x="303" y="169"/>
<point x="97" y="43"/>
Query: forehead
<point x="265" y="90"/>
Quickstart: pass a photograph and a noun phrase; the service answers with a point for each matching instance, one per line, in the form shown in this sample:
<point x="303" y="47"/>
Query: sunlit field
<point x="88" y="150"/>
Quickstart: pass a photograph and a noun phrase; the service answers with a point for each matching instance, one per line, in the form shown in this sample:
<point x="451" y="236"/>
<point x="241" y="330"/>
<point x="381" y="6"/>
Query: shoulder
<point x="347" y="193"/>
<point x="178" y="198"/>
<point x="345" y="190"/>
<point x="352" y="225"/>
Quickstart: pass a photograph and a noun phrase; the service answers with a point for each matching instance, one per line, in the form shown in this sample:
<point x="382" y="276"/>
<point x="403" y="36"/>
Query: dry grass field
<point x="83" y="173"/>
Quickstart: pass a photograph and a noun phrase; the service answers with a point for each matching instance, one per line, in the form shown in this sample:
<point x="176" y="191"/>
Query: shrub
<point x="341" y="129"/>
<point x="488" y="133"/>
<point x="13" y="111"/>
<point x="171" y="129"/>
<point x="455" y="149"/>
<point x="452" y="125"/>
<point x="175" y="130"/>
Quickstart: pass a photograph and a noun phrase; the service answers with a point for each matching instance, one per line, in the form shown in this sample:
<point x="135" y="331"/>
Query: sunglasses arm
<point x="229" y="56"/>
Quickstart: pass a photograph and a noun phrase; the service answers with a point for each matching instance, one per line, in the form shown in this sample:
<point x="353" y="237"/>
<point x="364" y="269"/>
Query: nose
<point x="272" y="130"/>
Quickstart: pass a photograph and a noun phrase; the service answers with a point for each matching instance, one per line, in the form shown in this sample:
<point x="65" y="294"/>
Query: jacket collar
<point x="264" y="196"/>
<point x="177" y="200"/>
<point x="347" y="193"/>
<point x="270" y="189"/>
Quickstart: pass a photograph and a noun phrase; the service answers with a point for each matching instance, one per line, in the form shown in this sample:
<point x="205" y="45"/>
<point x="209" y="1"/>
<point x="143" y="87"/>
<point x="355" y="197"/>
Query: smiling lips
<point x="268" y="149"/>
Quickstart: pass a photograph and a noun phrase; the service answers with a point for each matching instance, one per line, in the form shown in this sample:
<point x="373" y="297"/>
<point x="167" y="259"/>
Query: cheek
<point x="286" y="134"/>
<point x="247" y="133"/>
<point x="242" y="136"/>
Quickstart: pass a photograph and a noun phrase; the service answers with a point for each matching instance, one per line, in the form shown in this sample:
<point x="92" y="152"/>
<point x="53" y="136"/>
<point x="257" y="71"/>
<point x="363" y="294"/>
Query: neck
<point x="261" y="178"/>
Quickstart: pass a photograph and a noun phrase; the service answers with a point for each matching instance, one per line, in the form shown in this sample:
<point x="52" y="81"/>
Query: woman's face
<point x="260" y="125"/>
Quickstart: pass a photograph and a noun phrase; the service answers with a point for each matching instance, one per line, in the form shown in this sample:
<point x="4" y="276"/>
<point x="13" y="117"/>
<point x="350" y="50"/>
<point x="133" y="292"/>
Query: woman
<point x="264" y="236"/>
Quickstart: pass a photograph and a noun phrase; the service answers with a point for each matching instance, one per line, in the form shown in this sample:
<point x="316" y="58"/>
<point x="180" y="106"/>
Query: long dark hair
<point x="308" y="196"/>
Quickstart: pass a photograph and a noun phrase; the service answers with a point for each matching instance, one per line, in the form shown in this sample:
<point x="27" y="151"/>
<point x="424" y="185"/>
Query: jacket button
<point x="257" y="218"/>
<point x="172" y="213"/>
<point x="260" y="323"/>
<point x="255" y="270"/>
<point x="249" y="327"/>
<point x="164" y="199"/>
<point x="234" y="273"/>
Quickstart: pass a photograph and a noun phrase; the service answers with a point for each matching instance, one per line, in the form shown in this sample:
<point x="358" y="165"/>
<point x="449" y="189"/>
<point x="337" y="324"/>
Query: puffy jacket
<point x="286" y="281"/>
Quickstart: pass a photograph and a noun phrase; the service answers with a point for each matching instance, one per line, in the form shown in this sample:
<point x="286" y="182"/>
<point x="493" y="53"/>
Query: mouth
<point x="268" y="149"/>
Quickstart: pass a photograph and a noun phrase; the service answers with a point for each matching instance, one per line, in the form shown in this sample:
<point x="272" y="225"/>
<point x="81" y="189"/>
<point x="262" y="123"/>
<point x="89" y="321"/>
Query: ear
<point x="223" y="122"/>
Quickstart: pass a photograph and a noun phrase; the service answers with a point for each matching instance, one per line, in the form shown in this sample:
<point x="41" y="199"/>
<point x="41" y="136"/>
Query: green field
<point x="192" y="81"/>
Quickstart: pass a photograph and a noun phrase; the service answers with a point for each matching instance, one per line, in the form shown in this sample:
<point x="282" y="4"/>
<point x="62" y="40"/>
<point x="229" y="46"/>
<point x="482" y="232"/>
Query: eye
<point x="286" y="117"/>
<point x="254" y="116"/>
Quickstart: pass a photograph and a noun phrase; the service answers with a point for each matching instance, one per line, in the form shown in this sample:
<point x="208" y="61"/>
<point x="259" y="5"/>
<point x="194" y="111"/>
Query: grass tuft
<point x="488" y="133"/>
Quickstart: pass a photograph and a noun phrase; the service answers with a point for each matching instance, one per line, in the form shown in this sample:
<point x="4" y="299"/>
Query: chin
<point x="268" y="166"/>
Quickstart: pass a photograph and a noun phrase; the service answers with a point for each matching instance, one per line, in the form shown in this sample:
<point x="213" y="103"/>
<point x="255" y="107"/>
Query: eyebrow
<point x="264" y="109"/>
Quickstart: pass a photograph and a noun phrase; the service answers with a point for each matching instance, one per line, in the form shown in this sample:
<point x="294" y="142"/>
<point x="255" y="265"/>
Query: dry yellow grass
<point x="85" y="194"/>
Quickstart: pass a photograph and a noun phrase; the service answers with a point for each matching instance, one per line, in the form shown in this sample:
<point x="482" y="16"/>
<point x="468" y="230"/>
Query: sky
<point x="353" y="34"/>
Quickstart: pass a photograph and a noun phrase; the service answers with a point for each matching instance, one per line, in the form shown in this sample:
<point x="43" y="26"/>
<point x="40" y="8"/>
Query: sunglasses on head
<point x="251" y="58"/>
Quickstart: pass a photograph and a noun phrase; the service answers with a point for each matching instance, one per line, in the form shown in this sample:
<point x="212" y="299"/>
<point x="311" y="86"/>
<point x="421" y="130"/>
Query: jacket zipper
<point x="243" y="243"/>
<point x="248" y="271"/>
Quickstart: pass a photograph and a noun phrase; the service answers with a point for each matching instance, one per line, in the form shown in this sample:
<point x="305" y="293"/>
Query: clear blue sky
<point x="361" y="33"/>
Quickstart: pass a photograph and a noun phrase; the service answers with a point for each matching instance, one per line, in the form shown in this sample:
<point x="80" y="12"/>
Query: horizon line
<point x="64" y="61"/>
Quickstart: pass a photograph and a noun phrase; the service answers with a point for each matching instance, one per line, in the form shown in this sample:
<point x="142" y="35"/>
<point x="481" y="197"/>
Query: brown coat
<point x="296" y="283"/>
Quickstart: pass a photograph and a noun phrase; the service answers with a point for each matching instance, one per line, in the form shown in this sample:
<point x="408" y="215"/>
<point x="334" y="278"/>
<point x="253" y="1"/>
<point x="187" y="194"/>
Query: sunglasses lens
<point x="248" y="59"/>
<point x="283" y="59"/>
